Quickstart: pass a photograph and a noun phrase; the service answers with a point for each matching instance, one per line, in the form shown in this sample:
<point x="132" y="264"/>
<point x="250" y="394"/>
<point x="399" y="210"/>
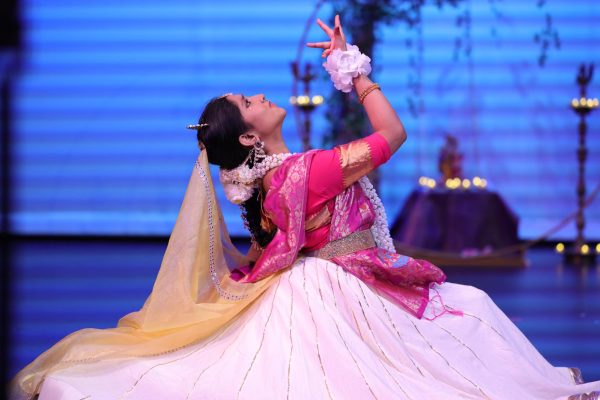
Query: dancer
<point x="321" y="307"/>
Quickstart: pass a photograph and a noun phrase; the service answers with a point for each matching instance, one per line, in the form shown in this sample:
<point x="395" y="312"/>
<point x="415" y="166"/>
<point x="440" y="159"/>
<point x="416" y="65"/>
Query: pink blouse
<point x="330" y="173"/>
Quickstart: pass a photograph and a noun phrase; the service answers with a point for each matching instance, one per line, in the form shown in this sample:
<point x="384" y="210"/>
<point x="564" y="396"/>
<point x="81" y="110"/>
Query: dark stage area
<point x="64" y="284"/>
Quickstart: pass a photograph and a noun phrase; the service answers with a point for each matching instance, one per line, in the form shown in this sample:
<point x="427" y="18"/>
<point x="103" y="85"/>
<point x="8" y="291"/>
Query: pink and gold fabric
<point x="404" y="280"/>
<point x="331" y="171"/>
<point x="285" y="205"/>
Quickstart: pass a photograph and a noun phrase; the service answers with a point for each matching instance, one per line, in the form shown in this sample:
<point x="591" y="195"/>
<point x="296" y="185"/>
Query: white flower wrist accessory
<point x="343" y="66"/>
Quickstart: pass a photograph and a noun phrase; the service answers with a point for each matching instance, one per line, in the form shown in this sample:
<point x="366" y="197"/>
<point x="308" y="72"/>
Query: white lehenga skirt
<point x="320" y="333"/>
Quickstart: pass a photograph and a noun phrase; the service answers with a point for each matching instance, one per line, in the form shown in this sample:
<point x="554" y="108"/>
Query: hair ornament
<point x="197" y="126"/>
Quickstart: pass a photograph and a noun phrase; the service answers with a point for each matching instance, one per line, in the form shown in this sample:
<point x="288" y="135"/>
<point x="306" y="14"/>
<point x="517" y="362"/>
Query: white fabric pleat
<point x="320" y="333"/>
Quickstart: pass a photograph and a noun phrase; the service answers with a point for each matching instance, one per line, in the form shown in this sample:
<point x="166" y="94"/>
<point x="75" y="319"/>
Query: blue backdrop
<point x="107" y="88"/>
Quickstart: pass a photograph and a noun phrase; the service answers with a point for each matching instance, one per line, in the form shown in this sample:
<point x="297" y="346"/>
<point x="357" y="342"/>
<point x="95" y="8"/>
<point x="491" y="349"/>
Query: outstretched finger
<point x="321" y="45"/>
<point x="338" y="27"/>
<point x="325" y="28"/>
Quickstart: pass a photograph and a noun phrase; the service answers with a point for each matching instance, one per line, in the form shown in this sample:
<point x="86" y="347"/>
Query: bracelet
<point x="344" y="65"/>
<point x="368" y="90"/>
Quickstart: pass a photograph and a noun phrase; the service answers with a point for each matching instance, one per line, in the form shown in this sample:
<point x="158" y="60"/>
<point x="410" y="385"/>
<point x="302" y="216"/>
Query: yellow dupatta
<point x="192" y="296"/>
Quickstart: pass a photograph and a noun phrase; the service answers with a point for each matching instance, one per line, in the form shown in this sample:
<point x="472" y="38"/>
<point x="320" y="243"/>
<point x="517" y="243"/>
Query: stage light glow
<point x="596" y="102"/>
<point x="431" y="183"/>
<point x="466" y="183"/>
<point x="423" y="181"/>
<point x="450" y="183"/>
<point x="453" y="183"/>
<point x="560" y="247"/>
<point x="293" y="100"/>
<point x="582" y="101"/>
<point x="483" y="183"/>
<point x="477" y="181"/>
<point x="302" y="100"/>
<point x="590" y="103"/>
<point x="598" y="248"/>
<point x="575" y="103"/>
<point x="317" y="100"/>
<point x="585" y="249"/>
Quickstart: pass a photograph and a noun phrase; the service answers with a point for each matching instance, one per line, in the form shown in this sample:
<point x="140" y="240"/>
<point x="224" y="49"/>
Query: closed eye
<point x="246" y="102"/>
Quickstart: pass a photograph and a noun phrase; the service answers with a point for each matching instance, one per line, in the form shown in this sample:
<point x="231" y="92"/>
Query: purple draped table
<point x="458" y="227"/>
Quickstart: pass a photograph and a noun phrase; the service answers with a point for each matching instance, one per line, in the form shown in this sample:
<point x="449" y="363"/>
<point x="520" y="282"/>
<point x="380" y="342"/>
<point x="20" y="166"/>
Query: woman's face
<point x="263" y="116"/>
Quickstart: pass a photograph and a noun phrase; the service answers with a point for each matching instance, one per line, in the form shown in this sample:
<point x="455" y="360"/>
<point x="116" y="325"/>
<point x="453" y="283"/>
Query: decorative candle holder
<point x="581" y="253"/>
<point x="305" y="103"/>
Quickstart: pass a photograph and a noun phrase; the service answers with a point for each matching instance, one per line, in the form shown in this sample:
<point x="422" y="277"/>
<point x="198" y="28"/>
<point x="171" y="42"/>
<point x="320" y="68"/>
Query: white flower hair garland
<point x="239" y="183"/>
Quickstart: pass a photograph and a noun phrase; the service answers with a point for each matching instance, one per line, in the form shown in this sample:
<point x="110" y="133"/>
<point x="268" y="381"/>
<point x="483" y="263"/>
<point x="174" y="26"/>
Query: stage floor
<point x="62" y="285"/>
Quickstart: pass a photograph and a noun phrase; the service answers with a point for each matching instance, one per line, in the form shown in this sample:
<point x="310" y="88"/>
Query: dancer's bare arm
<point x="382" y="116"/>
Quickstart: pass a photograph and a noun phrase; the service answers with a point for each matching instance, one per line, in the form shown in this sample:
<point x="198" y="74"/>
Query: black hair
<point x="223" y="148"/>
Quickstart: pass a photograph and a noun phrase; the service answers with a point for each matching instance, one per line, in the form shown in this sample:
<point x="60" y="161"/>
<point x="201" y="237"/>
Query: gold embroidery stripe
<point x="318" y="219"/>
<point x="203" y="371"/>
<point x="458" y="340"/>
<point x="377" y="341"/>
<point x="482" y="321"/>
<point x="342" y="338"/>
<point x="315" y="325"/>
<point x="291" y="342"/>
<point x="165" y="363"/>
<point x="444" y="358"/>
<point x="214" y="363"/>
<point x="391" y="321"/>
<point x="356" y="161"/>
<point x="262" y="339"/>
<point x="337" y="269"/>
<point x="369" y="325"/>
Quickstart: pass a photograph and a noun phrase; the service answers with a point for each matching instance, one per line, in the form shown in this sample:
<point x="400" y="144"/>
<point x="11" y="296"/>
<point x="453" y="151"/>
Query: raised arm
<point x="382" y="116"/>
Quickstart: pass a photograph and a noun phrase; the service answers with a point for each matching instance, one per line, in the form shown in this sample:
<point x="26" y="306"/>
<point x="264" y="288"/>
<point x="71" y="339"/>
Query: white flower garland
<point x="380" y="229"/>
<point x="344" y="65"/>
<point x="239" y="183"/>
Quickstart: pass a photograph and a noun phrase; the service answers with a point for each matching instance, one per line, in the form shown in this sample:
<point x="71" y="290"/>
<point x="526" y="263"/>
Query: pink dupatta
<point x="404" y="280"/>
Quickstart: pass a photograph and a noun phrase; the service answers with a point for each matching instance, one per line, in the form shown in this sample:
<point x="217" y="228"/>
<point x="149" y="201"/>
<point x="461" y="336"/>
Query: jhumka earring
<point x="259" y="152"/>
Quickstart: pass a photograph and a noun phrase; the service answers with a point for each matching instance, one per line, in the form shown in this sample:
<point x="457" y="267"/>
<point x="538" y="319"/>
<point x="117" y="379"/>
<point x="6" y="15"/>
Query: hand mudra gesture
<point x="337" y="40"/>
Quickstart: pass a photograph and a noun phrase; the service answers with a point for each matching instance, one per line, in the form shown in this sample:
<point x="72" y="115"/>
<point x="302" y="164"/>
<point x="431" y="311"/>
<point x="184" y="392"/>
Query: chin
<point x="282" y="113"/>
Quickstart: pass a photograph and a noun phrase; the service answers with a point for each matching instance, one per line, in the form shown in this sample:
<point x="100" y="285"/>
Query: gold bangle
<point x="368" y="90"/>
